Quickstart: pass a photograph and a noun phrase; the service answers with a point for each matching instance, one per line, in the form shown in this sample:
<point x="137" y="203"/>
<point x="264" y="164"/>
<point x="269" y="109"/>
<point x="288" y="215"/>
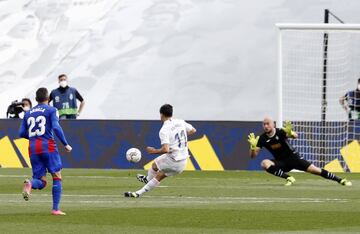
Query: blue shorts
<point x="46" y="162"/>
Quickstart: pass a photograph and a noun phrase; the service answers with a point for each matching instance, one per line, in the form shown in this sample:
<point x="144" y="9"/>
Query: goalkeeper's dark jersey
<point x="278" y="145"/>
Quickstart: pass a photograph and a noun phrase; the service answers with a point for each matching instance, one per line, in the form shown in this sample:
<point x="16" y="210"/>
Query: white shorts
<point x="169" y="166"/>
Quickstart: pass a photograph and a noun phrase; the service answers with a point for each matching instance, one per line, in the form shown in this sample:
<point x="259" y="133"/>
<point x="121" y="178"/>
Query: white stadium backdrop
<point x="212" y="59"/>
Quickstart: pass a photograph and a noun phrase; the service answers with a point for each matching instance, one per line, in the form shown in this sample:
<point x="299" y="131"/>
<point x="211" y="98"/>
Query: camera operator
<point x="17" y="109"/>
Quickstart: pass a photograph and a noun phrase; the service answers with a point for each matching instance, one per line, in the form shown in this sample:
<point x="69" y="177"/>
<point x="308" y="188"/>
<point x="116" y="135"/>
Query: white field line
<point x="180" y="197"/>
<point x="85" y="177"/>
<point x="237" y="185"/>
<point x="116" y="177"/>
<point x="184" y="198"/>
<point x="163" y="202"/>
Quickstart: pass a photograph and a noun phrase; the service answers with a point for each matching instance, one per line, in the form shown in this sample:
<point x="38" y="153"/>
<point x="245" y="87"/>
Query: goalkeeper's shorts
<point x="292" y="162"/>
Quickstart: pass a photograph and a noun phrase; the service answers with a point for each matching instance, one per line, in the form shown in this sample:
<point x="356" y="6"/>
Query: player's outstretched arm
<point x="254" y="153"/>
<point x="68" y="148"/>
<point x="165" y="141"/>
<point x="163" y="150"/>
<point x="343" y="103"/>
<point x="23" y="129"/>
<point x="253" y="141"/>
<point x="59" y="132"/>
<point x="288" y="130"/>
<point x="191" y="132"/>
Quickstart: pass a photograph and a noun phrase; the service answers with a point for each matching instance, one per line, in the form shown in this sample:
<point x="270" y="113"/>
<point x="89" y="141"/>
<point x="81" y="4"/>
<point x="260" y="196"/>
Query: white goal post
<point x="318" y="64"/>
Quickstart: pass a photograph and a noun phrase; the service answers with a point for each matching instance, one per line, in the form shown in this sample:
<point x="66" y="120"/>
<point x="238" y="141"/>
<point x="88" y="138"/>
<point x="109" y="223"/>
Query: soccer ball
<point x="133" y="155"/>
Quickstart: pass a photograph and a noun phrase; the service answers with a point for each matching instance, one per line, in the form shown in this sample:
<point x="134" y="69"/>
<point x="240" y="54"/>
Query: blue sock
<point x="56" y="193"/>
<point x="38" y="184"/>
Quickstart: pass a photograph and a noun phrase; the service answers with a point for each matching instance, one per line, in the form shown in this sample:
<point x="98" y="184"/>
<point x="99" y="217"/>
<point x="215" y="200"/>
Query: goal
<point x="318" y="63"/>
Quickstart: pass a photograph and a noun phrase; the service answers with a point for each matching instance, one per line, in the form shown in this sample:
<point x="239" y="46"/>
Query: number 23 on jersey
<point x="36" y="126"/>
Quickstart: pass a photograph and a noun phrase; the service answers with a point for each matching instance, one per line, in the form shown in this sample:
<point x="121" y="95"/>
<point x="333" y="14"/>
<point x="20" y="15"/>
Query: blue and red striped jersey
<point x="39" y="125"/>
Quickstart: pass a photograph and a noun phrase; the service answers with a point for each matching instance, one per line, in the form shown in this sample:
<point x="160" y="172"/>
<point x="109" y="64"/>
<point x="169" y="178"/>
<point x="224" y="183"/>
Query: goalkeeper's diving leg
<point x="327" y="175"/>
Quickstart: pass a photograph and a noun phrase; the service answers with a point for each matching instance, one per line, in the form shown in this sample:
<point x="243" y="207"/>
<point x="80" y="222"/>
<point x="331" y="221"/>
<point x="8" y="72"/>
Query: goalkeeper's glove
<point x="253" y="141"/>
<point x="288" y="129"/>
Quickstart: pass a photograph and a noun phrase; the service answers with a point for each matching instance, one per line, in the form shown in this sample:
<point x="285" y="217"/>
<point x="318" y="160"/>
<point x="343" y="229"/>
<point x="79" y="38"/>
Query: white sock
<point x="149" y="186"/>
<point x="151" y="174"/>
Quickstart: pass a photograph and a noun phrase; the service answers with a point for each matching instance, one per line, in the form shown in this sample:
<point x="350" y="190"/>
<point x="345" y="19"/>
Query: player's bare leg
<point x="151" y="184"/>
<point x="327" y="175"/>
<point x="271" y="168"/>
<point x="27" y="190"/>
<point x="151" y="174"/>
<point x="56" y="193"/>
<point x="33" y="184"/>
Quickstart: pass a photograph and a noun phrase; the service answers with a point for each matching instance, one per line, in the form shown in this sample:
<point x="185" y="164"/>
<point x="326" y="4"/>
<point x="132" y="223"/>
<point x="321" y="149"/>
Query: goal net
<point x="318" y="64"/>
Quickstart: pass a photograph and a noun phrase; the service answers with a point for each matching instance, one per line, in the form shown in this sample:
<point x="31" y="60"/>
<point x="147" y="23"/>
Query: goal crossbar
<point x="294" y="26"/>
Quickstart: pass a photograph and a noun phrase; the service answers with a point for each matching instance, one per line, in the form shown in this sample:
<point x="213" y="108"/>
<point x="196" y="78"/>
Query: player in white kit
<point x="174" y="151"/>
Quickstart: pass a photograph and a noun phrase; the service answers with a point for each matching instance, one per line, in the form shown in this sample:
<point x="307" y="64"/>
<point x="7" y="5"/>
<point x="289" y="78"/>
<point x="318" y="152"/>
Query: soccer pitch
<point x="193" y="202"/>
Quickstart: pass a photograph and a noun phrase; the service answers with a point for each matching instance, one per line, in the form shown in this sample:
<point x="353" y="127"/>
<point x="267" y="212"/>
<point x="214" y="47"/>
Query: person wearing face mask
<point x="26" y="105"/>
<point x="351" y="103"/>
<point x="65" y="99"/>
<point x="17" y="109"/>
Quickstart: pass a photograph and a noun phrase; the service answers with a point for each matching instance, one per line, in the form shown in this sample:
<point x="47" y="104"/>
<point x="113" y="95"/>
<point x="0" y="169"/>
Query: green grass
<point x="193" y="202"/>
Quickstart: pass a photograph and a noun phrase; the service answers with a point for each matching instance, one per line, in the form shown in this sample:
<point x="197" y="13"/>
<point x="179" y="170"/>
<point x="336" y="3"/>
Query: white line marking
<point x="116" y="177"/>
<point x="178" y="198"/>
<point x="69" y="176"/>
<point x="139" y="201"/>
<point x="13" y="176"/>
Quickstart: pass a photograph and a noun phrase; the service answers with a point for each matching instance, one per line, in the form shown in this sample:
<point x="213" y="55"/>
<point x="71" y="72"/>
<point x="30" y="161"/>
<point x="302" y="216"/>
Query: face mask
<point x="63" y="83"/>
<point x="26" y="108"/>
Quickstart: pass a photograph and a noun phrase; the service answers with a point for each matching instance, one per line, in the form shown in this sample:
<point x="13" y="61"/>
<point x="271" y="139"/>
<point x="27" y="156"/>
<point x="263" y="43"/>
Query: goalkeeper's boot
<point x="26" y="190"/>
<point x="57" y="212"/>
<point x="131" y="194"/>
<point x="290" y="181"/>
<point x="345" y="182"/>
<point x="142" y="178"/>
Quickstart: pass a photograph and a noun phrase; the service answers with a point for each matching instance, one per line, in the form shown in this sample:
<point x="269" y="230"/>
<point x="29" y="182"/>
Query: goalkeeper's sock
<point x="330" y="176"/>
<point x="277" y="172"/>
<point x="151" y="174"/>
<point x="153" y="183"/>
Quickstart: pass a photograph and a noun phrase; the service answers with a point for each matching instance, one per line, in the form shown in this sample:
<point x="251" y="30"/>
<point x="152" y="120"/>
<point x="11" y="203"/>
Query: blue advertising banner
<point x="217" y="145"/>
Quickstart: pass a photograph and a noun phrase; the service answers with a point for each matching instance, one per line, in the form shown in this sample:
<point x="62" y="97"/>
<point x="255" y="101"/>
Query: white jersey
<point x="174" y="133"/>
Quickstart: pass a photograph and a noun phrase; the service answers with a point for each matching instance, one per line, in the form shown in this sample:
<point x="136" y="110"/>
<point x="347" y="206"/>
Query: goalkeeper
<point x="285" y="156"/>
